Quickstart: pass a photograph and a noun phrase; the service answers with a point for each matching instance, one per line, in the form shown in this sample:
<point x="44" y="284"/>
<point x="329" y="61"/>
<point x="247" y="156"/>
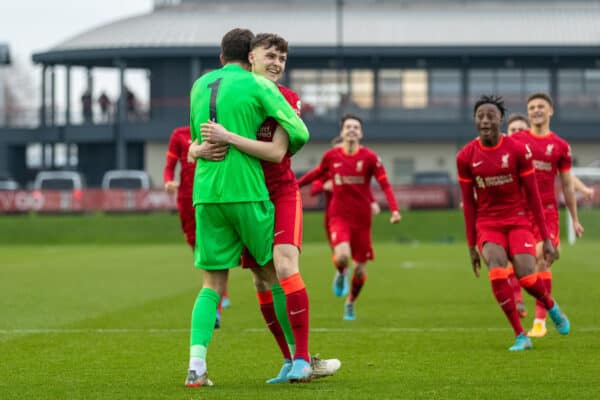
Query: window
<point x="403" y="171"/>
<point x="320" y="91"/>
<point x="579" y="93"/>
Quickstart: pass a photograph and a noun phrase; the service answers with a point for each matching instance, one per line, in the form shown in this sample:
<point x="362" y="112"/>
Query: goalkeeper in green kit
<point x="232" y="203"/>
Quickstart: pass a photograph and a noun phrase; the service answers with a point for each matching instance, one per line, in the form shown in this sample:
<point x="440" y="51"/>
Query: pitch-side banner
<point x="89" y="200"/>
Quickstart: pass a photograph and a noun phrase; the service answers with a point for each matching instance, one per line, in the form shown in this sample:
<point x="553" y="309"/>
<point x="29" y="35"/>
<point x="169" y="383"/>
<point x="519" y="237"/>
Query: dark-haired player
<point x="351" y="168"/>
<point x="284" y="306"/>
<point x="179" y="144"/>
<point x="232" y="203"/>
<point x="495" y="172"/>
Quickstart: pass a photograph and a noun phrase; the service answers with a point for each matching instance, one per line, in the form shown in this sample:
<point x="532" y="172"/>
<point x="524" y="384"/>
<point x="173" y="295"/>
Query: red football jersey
<point x="495" y="173"/>
<point x="278" y="175"/>
<point x="551" y="154"/>
<point x="351" y="175"/>
<point x="179" y="144"/>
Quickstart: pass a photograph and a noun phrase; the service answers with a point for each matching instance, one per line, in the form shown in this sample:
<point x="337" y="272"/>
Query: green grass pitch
<point x="111" y="322"/>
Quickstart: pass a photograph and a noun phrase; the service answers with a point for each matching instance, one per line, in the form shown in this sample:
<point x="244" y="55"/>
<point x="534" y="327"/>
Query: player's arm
<point x="568" y="185"/>
<point x="206" y="151"/>
<point x="526" y="173"/>
<point x="535" y="206"/>
<point x="171" y="162"/>
<point x="277" y="107"/>
<point x="375" y="209"/>
<point x="465" y="181"/>
<point x="579" y="186"/>
<point x="570" y="200"/>
<point x="269" y="151"/>
<point x="381" y="177"/>
<point x="317" y="173"/>
<point x="316" y="187"/>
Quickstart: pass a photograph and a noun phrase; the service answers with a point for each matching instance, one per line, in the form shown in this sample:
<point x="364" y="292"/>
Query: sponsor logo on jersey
<point x="477" y="164"/>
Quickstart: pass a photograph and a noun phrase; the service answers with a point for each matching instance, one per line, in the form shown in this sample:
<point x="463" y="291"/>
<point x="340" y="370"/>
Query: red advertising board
<point x="50" y="201"/>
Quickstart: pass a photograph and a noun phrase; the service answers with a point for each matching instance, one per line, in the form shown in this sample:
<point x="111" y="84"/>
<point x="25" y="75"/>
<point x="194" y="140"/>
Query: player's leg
<point x="493" y="245"/>
<point x="264" y="278"/>
<point x="359" y="277"/>
<point x="514" y="283"/>
<point x="286" y="252"/>
<point x="545" y="274"/>
<point x="362" y="252"/>
<point x="524" y="262"/>
<point x="202" y="326"/>
<point x="218" y="249"/>
<point x="187" y="217"/>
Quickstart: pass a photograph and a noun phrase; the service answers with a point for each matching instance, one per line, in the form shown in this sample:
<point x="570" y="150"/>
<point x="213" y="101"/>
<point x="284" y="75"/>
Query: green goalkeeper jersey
<point x="240" y="101"/>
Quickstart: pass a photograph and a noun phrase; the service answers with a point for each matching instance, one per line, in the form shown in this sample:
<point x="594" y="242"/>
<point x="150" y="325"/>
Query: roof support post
<point x="43" y="97"/>
<point x="52" y="95"/>
<point x="120" y="150"/>
<point x="68" y="95"/>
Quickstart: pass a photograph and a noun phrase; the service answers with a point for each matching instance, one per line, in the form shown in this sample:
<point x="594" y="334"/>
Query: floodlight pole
<point x="339" y="46"/>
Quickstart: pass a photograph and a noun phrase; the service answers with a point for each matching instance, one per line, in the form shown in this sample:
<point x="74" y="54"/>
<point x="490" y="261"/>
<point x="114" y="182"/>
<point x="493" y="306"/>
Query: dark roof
<point x="188" y="29"/>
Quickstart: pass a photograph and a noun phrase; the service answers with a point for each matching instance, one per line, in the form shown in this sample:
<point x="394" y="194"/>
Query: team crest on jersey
<point x="359" y="165"/>
<point x="505" y="160"/>
<point x="549" y="149"/>
<point x="528" y="155"/>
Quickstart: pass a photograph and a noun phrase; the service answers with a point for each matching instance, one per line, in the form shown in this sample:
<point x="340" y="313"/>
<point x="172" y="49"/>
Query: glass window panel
<point x="403" y="169"/>
<point x="390" y="88"/>
<point x="362" y="87"/>
<point x="536" y="80"/>
<point x="414" y="88"/>
<point x="33" y="155"/>
<point x="319" y="90"/>
<point x="481" y="81"/>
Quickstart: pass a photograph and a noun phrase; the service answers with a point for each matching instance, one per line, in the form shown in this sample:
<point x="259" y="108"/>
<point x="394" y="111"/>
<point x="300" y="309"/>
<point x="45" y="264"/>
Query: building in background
<point x="412" y="69"/>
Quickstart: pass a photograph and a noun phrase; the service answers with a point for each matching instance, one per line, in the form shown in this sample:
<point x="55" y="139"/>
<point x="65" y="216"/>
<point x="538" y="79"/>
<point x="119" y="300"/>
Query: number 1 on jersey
<point x="214" y="90"/>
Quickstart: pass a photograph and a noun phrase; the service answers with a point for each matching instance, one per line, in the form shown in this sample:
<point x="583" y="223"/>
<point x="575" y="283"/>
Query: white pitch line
<point x="34" y="331"/>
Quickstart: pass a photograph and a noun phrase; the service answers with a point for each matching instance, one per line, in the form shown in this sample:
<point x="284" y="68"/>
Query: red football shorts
<point x="359" y="237"/>
<point x="288" y="223"/>
<point x="187" y="217"/>
<point x="553" y="225"/>
<point x="515" y="239"/>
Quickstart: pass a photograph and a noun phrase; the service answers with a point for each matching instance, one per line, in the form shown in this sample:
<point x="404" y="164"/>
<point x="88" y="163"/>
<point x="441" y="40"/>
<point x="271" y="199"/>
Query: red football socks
<point x="504" y="296"/>
<point x="297" y="307"/>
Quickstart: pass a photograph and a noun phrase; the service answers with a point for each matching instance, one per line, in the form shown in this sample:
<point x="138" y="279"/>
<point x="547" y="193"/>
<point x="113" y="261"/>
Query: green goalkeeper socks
<point x="281" y="312"/>
<point x="204" y="314"/>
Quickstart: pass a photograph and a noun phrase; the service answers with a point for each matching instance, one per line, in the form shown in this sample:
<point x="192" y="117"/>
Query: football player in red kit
<point x="551" y="156"/>
<point x="499" y="188"/>
<point x="351" y="167"/>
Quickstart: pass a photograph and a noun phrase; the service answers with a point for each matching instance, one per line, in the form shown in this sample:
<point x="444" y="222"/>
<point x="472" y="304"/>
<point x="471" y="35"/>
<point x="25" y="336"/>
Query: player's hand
<point x="578" y="228"/>
<point x="375" y="209"/>
<point x="395" y="218"/>
<point x="328" y="185"/>
<point x="475" y="260"/>
<point x="207" y="151"/>
<point x="171" y="187"/>
<point x="214" y="133"/>
<point x="588" y="193"/>
<point x="549" y="251"/>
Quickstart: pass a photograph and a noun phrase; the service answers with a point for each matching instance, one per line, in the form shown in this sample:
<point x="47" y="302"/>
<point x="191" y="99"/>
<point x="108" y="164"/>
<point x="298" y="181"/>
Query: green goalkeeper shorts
<point x="224" y="229"/>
